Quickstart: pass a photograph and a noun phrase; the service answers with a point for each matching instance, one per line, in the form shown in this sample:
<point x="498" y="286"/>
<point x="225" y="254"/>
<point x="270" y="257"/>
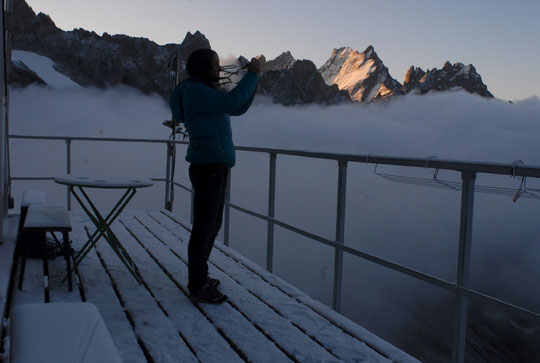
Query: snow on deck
<point x="265" y="319"/>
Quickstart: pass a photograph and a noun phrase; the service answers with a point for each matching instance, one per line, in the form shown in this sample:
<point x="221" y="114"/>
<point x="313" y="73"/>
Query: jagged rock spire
<point x="450" y="76"/>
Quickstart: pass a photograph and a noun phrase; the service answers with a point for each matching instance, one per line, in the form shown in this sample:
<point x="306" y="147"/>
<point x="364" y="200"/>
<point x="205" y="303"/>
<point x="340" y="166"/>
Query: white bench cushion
<point x="60" y="332"/>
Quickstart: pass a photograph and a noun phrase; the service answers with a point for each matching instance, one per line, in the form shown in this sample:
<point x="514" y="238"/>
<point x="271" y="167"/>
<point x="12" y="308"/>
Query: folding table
<point x="103" y="225"/>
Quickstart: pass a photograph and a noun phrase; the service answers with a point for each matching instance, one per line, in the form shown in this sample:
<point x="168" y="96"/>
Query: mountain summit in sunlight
<point x="91" y="60"/>
<point x="362" y="75"/>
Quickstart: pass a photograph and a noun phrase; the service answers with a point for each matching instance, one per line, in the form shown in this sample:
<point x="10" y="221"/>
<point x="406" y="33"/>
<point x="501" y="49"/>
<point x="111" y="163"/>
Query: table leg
<point x="98" y="232"/>
<point x="103" y="230"/>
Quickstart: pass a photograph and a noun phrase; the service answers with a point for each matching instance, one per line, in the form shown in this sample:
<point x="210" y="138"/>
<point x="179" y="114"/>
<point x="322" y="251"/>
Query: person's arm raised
<point x="202" y="98"/>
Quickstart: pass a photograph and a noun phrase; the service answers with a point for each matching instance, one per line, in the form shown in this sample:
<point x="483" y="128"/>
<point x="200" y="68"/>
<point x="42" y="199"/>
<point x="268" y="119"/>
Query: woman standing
<point x="205" y="110"/>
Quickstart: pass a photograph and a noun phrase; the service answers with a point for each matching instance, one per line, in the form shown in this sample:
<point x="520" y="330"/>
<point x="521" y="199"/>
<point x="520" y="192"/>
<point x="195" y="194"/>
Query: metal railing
<point x="468" y="171"/>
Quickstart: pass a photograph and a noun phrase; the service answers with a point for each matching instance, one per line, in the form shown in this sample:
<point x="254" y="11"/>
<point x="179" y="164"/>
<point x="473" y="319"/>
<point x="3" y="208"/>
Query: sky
<point x="500" y="38"/>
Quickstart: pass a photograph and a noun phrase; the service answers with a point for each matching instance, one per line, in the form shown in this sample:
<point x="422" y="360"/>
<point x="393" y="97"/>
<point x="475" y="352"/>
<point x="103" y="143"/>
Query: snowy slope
<point x="44" y="67"/>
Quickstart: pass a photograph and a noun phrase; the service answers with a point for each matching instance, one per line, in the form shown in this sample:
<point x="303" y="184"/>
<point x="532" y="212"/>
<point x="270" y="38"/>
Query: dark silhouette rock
<point x="298" y="83"/>
<point x="450" y="76"/>
<point x="101" y="61"/>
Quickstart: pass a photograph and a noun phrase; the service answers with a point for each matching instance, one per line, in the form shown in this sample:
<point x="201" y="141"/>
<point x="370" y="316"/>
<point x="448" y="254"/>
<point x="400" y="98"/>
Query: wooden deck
<point x="265" y="319"/>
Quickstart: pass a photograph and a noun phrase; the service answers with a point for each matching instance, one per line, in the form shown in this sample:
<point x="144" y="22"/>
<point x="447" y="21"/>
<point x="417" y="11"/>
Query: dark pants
<point x="209" y="182"/>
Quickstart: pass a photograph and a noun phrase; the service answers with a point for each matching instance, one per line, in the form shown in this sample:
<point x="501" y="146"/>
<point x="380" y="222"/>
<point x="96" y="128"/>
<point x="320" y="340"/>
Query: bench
<point x="44" y="218"/>
<point x="60" y="332"/>
<point x="32" y="240"/>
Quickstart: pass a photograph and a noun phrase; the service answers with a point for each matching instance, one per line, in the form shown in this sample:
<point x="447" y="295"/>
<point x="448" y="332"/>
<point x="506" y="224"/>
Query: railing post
<point x="227" y="210"/>
<point x="271" y="209"/>
<point x="68" y="170"/>
<point x="168" y="205"/>
<point x="340" y="234"/>
<point x="464" y="257"/>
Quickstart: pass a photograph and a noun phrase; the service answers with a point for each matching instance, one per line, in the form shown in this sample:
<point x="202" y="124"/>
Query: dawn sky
<point x="500" y="38"/>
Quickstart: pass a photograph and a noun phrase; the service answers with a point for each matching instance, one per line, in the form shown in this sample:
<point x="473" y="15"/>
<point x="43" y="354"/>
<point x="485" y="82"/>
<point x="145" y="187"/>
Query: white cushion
<point x="60" y="332"/>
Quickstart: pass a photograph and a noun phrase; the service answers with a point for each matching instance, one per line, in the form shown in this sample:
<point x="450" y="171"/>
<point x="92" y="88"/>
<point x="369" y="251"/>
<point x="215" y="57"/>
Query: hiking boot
<point x="208" y="294"/>
<point x="213" y="282"/>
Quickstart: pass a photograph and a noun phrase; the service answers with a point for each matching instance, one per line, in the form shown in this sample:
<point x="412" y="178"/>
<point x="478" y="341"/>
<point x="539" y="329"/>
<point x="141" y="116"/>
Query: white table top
<point x="109" y="183"/>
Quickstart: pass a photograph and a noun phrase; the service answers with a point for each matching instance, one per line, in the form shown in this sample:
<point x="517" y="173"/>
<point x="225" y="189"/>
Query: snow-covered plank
<point x="98" y="291"/>
<point x="159" y="334"/>
<point x="201" y="335"/>
<point x="59" y="291"/>
<point x="252" y="344"/>
<point x="342" y="323"/>
<point x="343" y="345"/>
<point x="280" y="329"/>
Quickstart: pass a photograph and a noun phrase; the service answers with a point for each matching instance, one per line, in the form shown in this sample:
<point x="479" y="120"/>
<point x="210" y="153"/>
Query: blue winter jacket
<point x="205" y="112"/>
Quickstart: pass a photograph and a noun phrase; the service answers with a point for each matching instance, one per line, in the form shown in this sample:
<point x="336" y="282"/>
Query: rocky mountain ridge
<point x="108" y="60"/>
<point x="455" y="75"/>
<point x="99" y="61"/>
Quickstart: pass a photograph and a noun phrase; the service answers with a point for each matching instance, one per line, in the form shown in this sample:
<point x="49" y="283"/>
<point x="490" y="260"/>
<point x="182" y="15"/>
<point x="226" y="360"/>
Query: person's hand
<point x="254" y="66"/>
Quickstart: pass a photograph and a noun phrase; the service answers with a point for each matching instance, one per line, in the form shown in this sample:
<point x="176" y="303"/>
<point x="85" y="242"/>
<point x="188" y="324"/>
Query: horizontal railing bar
<point x="380" y="261"/>
<point x="450" y="286"/>
<point x="287" y="226"/>
<point x="104" y="139"/>
<point x="32" y="178"/>
<point x="52" y="178"/>
<point x="432" y="163"/>
<point x="503" y="305"/>
<point x="403" y="269"/>
<point x="443" y="164"/>
<point x="182" y="186"/>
